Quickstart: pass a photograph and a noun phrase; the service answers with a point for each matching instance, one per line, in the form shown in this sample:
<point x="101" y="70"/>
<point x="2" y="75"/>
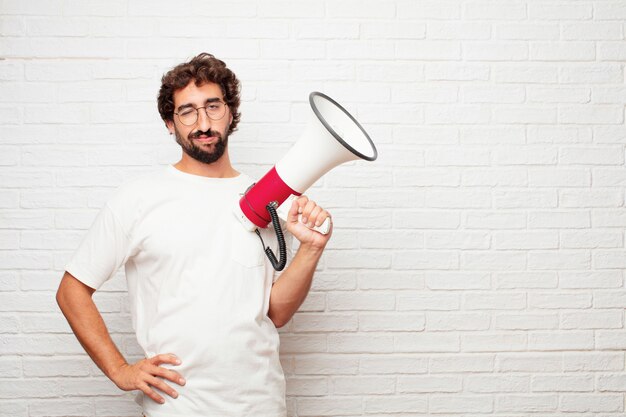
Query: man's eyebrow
<point x="188" y="105"/>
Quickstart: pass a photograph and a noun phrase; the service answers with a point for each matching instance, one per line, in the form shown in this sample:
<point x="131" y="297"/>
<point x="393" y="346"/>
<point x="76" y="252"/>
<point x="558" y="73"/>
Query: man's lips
<point x="205" y="139"/>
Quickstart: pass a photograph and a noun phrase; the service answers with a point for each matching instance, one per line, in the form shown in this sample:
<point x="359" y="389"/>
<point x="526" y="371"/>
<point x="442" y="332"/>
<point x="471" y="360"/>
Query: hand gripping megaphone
<point x="333" y="136"/>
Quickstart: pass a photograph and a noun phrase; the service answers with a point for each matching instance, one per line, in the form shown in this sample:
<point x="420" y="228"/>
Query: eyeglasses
<point x="214" y="110"/>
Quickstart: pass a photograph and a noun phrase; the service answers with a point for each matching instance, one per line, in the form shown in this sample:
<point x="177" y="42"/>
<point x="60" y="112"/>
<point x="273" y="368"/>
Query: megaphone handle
<point x="283" y="211"/>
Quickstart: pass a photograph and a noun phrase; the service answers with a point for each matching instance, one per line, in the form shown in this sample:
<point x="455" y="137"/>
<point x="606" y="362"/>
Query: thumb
<point x="292" y="216"/>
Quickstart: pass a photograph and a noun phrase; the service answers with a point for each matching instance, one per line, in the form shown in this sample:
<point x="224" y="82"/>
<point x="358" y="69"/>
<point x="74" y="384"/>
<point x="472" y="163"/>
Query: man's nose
<point x="204" y="122"/>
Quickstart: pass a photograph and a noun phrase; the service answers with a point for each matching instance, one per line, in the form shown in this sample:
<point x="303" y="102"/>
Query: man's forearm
<point x="290" y="291"/>
<point x="74" y="299"/>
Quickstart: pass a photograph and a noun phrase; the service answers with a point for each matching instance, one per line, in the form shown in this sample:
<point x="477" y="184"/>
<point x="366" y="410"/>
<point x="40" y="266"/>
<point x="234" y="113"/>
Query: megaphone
<point x="332" y="137"/>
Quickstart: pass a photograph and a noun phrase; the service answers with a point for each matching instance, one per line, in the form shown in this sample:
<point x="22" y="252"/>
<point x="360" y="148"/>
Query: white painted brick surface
<point x="476" y="268"/>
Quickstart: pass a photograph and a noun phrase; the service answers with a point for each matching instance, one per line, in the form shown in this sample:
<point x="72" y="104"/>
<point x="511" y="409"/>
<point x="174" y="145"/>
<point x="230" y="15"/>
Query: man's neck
<point x="218" y="169"/>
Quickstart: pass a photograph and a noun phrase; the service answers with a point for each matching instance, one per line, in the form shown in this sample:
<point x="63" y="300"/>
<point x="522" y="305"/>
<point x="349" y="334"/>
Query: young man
<point x="205" y="301"/>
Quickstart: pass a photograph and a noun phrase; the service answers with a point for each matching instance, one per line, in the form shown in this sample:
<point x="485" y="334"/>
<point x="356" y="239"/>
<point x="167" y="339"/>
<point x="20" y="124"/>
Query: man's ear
<point x="170" y="126"/>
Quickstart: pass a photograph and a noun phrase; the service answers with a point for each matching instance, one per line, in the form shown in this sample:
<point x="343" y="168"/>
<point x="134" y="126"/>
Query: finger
<point x="313" y="216"/>
<point x="145" y="388"/>
<point x="165" y="358"/>
<point x="162" y="386"/>
<point x="302" y="201"/>
<point x="310" y="205"/>
<point x="168" y="374"/>
<point x="321" y="218"/>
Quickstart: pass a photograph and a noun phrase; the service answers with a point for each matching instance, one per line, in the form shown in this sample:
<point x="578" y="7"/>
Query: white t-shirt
<point x="199" y="287"/>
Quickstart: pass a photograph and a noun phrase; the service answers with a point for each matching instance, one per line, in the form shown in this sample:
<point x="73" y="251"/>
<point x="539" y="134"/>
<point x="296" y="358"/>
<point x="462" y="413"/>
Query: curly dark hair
<point x="201" y="69"/>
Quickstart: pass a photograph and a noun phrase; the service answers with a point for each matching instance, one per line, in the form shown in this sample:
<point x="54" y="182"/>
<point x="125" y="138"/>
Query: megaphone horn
<point x="332" y="137"/>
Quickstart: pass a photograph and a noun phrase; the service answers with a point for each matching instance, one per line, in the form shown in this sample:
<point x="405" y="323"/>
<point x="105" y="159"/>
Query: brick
<point x="529" y="362"/>
<point x="611" y="383"/>
<point x="593" y="114"/>
<point x="360" y="343"/>
<point x="457" y="321"/>
<point x="456" y="240"/>
<point x="461" y="404"/>
<point x="500" y="260"/>
<point x="610" y="10"/>
<point x="512" y="280"/>
<point x="471" y="363"/>
<point x="458" y="30"/>
<point x="514" y="177"/>
<point x="562" y="383"/>
<point x="306" y="386"/>
<point x="363" y="385"/>
<point x="456" y="71"/>
<point x="590" y="239"/>
<point x="592" y="279"/>
<point x="494" y="220"/>
<point x="557" y="95"/>
<point x="497" y="384"/>
<point x="396" y="404"/>
<point x="525" y="240"/>
<point x="495" y="51"/>
<point x="457" y="281"/>
<point x="310" y="322"/>
<point x="560" y="134"/>
<point x="444" y="199"/>
<point x="559" y="219"/>
<point x="391" y="322"/>
<point x="592" y="320"/>
<point x="428" y="50"/>
<point x="527" y="74"/>
<point x="393" y="364"/>
<point x="611" y="51"/>
<point x="329" y="406"/>
<point x="426" y="301"/>
<point x="495" y="342"/>
<point x="570" y="259"/>
<point x="327" y="30"/>
<point x="527" y="31"/>
<point x="426" y="219"/>
<point x="526" y="321"/>
<point x="429" y="384"/>
<point x="562" y="51"/>
<point x="428" y="9"/>
<point x="327" y="365"/>
<point x="426" y="342"/>
<point x="559" y="300"/>
<point x="592" y="402"/>
<point x="559" y="11"/>
<point x="527" y="403"/>
<point x="439" y="260"/>
<point x="556" y="341"/>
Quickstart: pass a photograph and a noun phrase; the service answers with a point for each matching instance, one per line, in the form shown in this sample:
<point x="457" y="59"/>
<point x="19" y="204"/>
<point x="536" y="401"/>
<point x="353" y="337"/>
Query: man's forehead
<point x="197" y="94"/>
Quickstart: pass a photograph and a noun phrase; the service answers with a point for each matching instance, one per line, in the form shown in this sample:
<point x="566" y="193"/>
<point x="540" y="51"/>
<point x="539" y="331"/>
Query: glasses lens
<point x="216" y="110"/>
<point x="188" y="117"/>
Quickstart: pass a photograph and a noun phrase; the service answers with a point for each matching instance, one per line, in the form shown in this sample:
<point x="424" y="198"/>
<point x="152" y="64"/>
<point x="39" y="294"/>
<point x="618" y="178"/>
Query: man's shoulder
<point x="139" y="186"/>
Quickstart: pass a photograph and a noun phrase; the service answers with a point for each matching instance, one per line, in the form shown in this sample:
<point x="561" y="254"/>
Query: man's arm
<point x="75" y="300"/>
<point x="290" y="291"/>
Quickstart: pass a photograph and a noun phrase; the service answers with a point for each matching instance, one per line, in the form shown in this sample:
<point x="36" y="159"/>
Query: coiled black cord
<point x="282" y="249"/>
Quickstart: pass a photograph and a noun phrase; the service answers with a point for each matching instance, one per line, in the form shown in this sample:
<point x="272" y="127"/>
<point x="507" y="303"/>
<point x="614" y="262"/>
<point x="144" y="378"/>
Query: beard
<point x="203" y="153"/>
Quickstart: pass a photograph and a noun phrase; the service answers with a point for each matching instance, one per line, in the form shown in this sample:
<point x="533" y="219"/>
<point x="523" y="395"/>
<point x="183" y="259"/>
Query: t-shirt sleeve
<point x="103" y="250"/>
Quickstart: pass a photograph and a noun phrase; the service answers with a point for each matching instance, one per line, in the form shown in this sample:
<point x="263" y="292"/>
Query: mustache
<point x="208" y="133"/>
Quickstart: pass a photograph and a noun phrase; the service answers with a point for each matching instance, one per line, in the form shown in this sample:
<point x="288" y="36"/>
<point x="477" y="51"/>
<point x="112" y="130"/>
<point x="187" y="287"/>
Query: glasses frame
<point x="197" y="109"/>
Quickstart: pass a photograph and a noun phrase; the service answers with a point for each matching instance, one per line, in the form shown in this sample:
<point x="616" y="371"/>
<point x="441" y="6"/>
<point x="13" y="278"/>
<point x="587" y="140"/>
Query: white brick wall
<point x="477" y="268"/>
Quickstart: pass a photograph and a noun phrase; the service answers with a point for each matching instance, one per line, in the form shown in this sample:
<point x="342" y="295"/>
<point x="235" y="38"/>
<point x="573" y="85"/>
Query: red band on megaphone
<point x="269" y="188"/>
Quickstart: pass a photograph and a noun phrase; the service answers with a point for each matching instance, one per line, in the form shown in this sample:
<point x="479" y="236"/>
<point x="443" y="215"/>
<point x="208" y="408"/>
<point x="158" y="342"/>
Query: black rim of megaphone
<point x="330" y="129"/>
